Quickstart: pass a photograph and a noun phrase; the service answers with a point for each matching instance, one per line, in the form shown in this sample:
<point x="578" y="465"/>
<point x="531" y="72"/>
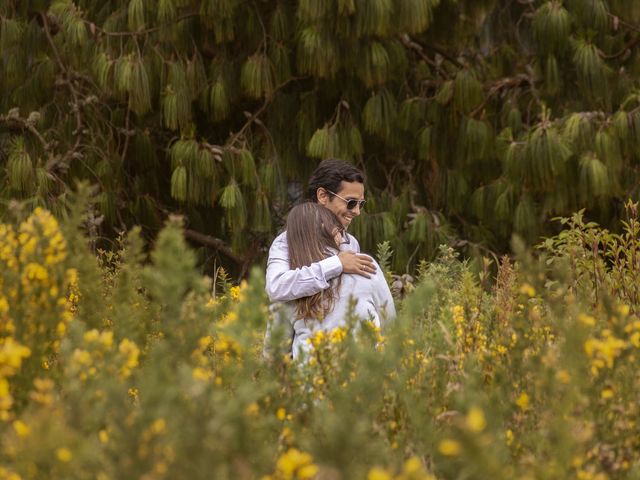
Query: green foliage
<point x="20" y="167"/>
<point x="380" y="113"/>
<point x="137" y="365"/>
<point x="257" y="76"/>
<point x="179" y="183"/>
<point x="551" y="27"/>
<point x="467" y="91"/>
<point x="135" y="15"/>
<point x="460" y="108"/>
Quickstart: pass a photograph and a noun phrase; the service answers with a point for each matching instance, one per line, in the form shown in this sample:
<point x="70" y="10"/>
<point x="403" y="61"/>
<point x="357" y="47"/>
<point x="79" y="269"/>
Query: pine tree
<point x="473" y="119"/>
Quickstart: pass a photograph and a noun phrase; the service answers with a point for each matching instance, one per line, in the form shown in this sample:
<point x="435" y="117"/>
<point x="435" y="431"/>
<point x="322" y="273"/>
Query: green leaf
<point x="179" y="184"/>
<point x="594" y="176"/>
<point x="19" y="166"/>
<point x="379" y="114"/>
<point x="374" y="65"/>
<point x="317" y="53"/>
<point x="139" y="89"/>
<point x="525" y="219"/>
<point x="219" y="105"/>
<point x="467" y="91"/>
<point x="135" y="15"/>
<point x="551" y="28"/>
<point x="591" y="69"/>
<point x="166" y="11"/>
<point x="373" y="17"/>
<point x="257" y="76"/>
<point x="322" y="143"/>
<point x="415" y="16"/>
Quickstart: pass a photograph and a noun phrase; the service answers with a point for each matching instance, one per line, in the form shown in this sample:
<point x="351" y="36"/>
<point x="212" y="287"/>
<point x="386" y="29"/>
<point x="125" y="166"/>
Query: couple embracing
<point x="315" y="269"/>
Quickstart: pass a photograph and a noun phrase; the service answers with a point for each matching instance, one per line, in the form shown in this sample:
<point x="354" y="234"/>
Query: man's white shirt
<point x="284" y="284"/>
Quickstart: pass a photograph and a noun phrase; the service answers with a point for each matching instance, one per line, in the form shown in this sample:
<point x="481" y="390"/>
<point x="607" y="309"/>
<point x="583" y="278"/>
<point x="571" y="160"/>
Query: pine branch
<point x="94" y="28"/>
<point x="127" y="133"/>
<point x="408" y="42"/>
<point x="214" y="243"/>
<point x="69" y="82"/>
<point x="618" y="20"/>
<point x="253" y="117"/>
<point x="13" y="117"/>
<point x="627" y="48"/>
<point x="509" y="82"/>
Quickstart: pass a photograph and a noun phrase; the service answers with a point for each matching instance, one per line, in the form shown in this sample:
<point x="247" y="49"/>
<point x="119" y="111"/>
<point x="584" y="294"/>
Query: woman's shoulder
<point x="354" y="278"/>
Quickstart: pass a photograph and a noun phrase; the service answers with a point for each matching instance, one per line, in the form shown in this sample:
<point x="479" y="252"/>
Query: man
<point x="339" y="187"/>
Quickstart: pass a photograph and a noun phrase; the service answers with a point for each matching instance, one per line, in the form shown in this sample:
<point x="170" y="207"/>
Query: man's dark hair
<point x="329" y="174"/>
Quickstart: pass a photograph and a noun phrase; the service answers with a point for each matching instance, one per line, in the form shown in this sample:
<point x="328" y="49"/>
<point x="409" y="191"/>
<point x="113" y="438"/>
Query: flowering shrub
<point x="123" y="366"/>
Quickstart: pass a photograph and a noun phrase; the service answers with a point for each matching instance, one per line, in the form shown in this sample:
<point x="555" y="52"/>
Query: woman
<point x="313" y="234"/>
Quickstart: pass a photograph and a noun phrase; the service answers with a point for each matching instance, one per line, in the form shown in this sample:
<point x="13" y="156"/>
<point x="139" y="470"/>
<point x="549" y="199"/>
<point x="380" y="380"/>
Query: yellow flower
<point x="130" y="351"/>
<point x="287" y="435"/>
<point x="449" y="447"/>
<point x="11" y="355"/>
<point x="475" y="420"/>
<point x="199" y="373"/>
<point x="64" y="454"/>
<point x="458" y="314"/>
<point x="212" y="302"/>
<point x="377" y="473"/>
<point x="21" y="428"/>
<point x="413" y="467"/>
<point x="296" y="464"/>
<point x="587" y="320"/>
<point x="508" y="435"/>
<point x="527" y="290"/>
<point x="8" y="474"/>
<point x="228" y="318"/>
<point x="234" y="293"/>
<point x="205" y="342"/>
<point x="106" y="339"/>
<point x="623" y="310"/>
<point x="281" y="414"/>
<point x="159" y="426"/>
<point x="34" y="272"/>
<point x="607" y="349"/>
<point x="4" y="305"/>
<point x="252" y="409"/>
<point x="81" y="357"/>
<point x="606" y="393"/>
<point x="61" y="329"/>
<point x="103" y="435"/>
<point x="337" y="335"/>
<point x="523" y="401"/>
<point x="91" y="336"/>
<point x="42" y="394"/>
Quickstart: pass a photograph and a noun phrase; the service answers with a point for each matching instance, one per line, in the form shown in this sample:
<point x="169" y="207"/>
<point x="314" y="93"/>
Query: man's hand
<point x="356" y="263"/>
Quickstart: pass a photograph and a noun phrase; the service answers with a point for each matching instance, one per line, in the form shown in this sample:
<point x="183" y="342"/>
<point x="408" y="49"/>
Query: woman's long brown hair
<point x="311" y="232"/>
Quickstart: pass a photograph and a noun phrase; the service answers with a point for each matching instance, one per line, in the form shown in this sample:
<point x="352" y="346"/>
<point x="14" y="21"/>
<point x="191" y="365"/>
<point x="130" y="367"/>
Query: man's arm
<point x="284" y="284"/>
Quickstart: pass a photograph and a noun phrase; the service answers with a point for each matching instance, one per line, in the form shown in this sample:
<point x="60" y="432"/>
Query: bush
<point x="113" y="365"/>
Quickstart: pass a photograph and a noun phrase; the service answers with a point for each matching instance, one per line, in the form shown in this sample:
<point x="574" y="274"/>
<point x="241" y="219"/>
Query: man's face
<point x="348" y="191"/>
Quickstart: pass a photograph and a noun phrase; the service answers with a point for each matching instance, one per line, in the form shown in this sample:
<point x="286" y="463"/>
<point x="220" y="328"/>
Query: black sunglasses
<point x="351" y="203"/>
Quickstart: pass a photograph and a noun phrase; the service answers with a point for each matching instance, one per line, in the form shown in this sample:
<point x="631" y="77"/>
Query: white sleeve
<point x="284" y="284"/>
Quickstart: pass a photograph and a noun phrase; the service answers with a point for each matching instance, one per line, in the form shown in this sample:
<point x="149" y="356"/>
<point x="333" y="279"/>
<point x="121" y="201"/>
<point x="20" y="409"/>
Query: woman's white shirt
<point x="373" y="301"/>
